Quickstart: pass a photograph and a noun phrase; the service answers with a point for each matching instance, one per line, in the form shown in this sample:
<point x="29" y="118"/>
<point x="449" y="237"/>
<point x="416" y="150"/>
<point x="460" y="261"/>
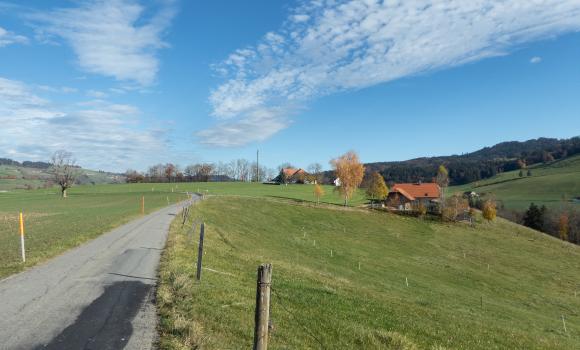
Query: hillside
<point x="495" y="286"/>
<point x="482" y="164"/>
<point x="30" y="176"/>
<point x="548" y="185"/>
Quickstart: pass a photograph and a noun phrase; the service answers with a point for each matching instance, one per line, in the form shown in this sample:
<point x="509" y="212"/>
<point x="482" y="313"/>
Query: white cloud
<point x="101" y="134"/>
<point x="258" y="126"/>
<point x="97" y="94"/>
<point x="114" y="38"/>
<point x="9" y="38"/>
<point x="535" y="59"/>
<point x="331" y="46"/>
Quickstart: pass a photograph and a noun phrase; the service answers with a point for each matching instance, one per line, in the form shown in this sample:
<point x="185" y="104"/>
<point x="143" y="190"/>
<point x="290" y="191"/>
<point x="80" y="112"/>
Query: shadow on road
<point x="106" y="323"/>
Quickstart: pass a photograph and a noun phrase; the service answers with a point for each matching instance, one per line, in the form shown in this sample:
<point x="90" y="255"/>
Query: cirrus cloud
<point x="111" y="37"/>
<point x="330" y="46"/>
<point x="9" y="38"/>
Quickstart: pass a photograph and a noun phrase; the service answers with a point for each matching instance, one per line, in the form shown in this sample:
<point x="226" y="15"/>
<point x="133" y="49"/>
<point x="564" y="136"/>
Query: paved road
<point x="97" y="296"/>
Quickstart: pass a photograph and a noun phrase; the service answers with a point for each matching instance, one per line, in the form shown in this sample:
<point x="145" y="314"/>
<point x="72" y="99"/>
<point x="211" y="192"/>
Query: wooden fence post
<point x="143" y="205"/>
<point x="262" y="319"/>
<point x="200" y="252"/>
<point x="185" y="215"/>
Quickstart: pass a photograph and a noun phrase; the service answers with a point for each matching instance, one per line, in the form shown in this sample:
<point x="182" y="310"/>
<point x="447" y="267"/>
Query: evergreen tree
<point x="535" y="217"/>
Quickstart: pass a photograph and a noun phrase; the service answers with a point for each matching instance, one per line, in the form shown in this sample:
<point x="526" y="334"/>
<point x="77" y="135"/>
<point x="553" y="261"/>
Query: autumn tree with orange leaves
<point x="318" y="192"/>
<point x="350" y="171"/>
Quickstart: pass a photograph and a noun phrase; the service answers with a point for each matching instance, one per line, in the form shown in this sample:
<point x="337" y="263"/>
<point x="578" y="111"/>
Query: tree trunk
<point x="63" y="190"/>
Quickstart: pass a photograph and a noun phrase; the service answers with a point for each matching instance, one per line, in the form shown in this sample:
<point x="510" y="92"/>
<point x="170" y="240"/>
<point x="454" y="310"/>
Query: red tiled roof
<point x="291" y="171"/>
<point x="404" y="193"/>
<point x="417" y="190"/>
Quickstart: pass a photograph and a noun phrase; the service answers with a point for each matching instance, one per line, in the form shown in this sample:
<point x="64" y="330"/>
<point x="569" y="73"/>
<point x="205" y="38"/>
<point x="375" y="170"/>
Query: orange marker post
<point x="21" y="221"/>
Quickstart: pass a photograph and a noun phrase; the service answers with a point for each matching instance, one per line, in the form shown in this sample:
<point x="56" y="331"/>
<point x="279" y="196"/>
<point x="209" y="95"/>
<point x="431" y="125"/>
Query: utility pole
<point x="257" y="165"/>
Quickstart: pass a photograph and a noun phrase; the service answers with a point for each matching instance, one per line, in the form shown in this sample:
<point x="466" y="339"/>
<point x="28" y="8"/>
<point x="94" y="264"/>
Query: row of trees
<point x="235" y="170"/>
<point x="563" y="222"/>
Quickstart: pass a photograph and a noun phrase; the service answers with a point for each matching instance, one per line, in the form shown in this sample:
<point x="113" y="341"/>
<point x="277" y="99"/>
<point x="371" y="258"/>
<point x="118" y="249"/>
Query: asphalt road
<point x="97" y="296"/>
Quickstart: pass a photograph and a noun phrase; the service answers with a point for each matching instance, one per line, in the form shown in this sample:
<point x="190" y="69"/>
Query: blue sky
<point x="126" y="83"/>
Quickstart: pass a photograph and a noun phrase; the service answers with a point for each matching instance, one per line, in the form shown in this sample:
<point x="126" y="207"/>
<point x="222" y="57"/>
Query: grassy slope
<point x="547" y="184"/>
<point x="296" y="192"/>
<point x="37" y="177"/>
<point x="530" y="282"/>
<point x="54" y="225"/>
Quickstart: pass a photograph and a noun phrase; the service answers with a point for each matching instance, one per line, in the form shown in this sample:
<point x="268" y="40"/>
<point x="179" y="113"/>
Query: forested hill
<point x="480" y="164"/>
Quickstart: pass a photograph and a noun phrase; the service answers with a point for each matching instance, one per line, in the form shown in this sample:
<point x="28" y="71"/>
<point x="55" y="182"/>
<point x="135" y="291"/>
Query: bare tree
<point x="64" y="170"/>
<point x="204" y="172"/>
<point x="315" y="169"/>
<point x="243" y="169"/>
<point x="156" y="172"/>
<point x="170" y="171"/>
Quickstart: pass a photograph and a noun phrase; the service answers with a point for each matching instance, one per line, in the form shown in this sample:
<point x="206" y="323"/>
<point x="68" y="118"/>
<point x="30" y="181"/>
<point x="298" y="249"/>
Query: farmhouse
<point x="407" y="196"/>
<point x="292" y="176"/>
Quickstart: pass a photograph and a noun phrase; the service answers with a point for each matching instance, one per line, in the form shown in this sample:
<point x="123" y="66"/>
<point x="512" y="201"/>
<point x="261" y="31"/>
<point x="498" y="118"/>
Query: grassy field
<point x="495" y="286"/>
<point x="54" y="225"/>
<point x="547" y="185"/>
<point x="244" y="189"/>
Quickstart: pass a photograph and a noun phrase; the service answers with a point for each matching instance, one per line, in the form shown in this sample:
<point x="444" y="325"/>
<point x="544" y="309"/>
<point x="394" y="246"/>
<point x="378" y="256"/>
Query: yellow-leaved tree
<point x="318" y="192"/>
<point x="377" y="189"/>
<point x="350" y="172"/>
<point x="489" y="211"/>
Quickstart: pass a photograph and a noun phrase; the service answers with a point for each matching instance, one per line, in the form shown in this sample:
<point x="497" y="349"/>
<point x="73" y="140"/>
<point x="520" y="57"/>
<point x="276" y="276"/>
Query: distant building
<point x="407" y="196"/>
<point x="292" y="176"/>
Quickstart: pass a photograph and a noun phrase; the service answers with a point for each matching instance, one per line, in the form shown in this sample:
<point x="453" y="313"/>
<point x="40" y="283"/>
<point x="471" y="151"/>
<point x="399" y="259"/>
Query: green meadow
<point x="549" y="184"/>
<point x="421" y="284"/>
<point x="54" y="225"/>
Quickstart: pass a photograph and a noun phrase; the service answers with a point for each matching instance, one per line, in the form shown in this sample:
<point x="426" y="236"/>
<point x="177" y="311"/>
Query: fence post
<point x="262" y="319"/>
<point x="143" y="205"/>
<point x="185" y="215"/>
<point x="200" y="251"/>
<point x="22" y="250"/>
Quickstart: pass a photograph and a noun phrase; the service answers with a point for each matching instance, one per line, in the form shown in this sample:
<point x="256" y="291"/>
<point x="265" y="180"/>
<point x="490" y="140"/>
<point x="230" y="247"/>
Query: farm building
<point x="407" y="196"/>
<point x="292" y="176"/>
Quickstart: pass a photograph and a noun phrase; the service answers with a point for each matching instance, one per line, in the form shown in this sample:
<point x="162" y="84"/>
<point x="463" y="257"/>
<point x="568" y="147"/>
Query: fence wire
<point x="312" y="335"/>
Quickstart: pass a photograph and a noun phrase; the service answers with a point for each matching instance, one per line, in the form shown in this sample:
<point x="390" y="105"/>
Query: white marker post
<point x="564" y="323"/>
<point x="22" y="238"/>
